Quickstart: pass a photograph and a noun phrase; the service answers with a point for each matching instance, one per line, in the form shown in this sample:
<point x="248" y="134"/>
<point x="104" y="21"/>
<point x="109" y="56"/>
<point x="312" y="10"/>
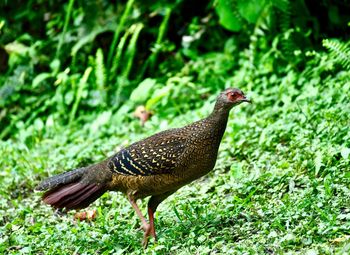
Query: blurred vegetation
<point x="73" y="72"/>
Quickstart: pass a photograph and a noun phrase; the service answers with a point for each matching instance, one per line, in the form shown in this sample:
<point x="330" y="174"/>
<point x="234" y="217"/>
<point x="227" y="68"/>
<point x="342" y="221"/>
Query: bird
<point x="154" y="167"/>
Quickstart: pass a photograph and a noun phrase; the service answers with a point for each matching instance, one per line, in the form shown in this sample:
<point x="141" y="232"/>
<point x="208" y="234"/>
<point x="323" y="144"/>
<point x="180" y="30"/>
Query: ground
<point x="280" y="185"/>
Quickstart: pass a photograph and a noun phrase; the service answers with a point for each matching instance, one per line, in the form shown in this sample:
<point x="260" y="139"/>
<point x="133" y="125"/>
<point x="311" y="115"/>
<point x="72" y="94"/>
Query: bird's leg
<point x="149" y="231"/>
<point x="152" y="207"/>
<point x="132" y="201"/>
<point x="152" y="230"/>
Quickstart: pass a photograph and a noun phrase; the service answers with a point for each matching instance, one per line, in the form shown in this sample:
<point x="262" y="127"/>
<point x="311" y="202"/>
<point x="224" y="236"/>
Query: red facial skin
<point x="236" y="96"/>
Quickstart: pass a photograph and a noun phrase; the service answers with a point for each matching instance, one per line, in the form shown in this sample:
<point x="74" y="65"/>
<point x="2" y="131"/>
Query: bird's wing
<point x="158" y="154"/>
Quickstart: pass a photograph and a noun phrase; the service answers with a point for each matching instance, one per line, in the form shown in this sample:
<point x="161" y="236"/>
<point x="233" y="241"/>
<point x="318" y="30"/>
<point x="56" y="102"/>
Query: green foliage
<point x="229" y="17"/>
<point x="120" y="27"/>
<point x="73" y="72"/>
<point x="339" y="52"/>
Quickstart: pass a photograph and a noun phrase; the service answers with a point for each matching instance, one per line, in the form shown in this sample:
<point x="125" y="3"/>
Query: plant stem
<point x="82" y="84"/>
<point x="130" y="52"/>
<point x="117" y="32"/>
<point x="66" y="22"/>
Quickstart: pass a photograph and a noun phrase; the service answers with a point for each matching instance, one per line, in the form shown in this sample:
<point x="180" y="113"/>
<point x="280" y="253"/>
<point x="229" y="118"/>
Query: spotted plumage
<point x="156" y="166"/>
<point x="149" y="157"/>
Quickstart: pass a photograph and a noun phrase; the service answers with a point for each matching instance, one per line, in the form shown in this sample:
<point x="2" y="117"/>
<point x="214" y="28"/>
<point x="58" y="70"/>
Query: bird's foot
<point x="144" y="227"/>
<point x="144" y="242"/>
<point x="149" y="231"/>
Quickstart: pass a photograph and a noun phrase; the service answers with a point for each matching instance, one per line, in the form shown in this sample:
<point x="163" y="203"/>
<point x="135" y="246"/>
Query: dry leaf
<point x="340" y="239"/>
<point x="86" y="215"/>
<point x="142" y="113"/>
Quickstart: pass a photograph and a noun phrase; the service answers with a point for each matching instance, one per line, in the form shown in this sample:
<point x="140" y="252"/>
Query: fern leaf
<point x="282" y="5"/>
<point x="100" y="71"/>
<point x="339" y="52"/>
<point x="287" y="43"/>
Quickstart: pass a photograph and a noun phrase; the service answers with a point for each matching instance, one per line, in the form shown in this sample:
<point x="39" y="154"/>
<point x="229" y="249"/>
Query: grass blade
<point x="66" y="22"/>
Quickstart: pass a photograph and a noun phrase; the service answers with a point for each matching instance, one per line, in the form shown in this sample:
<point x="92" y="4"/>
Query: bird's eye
<point x="231" y="96"/>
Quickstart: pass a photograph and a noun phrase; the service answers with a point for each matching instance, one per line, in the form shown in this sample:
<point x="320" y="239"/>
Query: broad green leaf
<point x="16" y="48"/>
<point x="143" y="90"/>
<point x="318" y="162"/>
<point x="250" y="10"/>
<point x="38" y="124"/>
<point x="229" y="17"/>
<point x="40" y="78"/>
<point x="101" y="120"/>
<point x="158" y="95"/>
<point x="345" y="152"/>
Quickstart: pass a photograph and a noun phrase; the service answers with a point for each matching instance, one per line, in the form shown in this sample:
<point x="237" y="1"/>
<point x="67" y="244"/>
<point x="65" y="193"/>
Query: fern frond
<point x="120" y="27"/>
<point x="282" y="5"/>
<point x="100" y="70"/>
<point x="339" y="52"/>
<point x="131" y="50"/>
<point x="287" y="43"/>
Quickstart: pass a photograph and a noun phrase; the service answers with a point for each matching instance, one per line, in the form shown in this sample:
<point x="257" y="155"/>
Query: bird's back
<point x="167" y="160"/>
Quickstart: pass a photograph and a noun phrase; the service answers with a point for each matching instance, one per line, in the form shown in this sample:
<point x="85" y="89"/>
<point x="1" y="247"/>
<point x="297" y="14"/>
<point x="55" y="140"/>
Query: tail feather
<point x="53" y="196"/>
<point x="64" y="178"/>
<point x="68" y="199"/>
<point x="87" y="198"/>
<point x="70" y="190"/>
<point x="73" y="196"/>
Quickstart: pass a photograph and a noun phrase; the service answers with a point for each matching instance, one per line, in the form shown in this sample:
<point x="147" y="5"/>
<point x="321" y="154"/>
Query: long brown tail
<point x="71" y="190"/>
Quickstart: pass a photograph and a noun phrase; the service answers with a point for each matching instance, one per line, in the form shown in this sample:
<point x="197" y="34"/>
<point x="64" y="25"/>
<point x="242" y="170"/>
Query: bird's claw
<point x="149" y="231"/>
<point x="145" y="242"/>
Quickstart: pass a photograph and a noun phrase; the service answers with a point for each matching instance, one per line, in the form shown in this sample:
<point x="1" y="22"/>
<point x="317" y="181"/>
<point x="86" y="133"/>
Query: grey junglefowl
<point x="156" y="166"/>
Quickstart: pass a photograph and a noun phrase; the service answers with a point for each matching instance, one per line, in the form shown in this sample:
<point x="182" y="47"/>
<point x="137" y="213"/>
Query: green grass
<point x="281" y="182"/>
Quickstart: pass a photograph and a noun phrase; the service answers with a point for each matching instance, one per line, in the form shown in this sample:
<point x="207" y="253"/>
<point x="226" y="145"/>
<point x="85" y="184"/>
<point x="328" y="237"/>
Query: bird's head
<point x="232" y="96"/>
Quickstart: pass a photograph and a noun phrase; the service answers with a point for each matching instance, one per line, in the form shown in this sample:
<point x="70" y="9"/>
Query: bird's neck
<point x="219" y="118"/>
